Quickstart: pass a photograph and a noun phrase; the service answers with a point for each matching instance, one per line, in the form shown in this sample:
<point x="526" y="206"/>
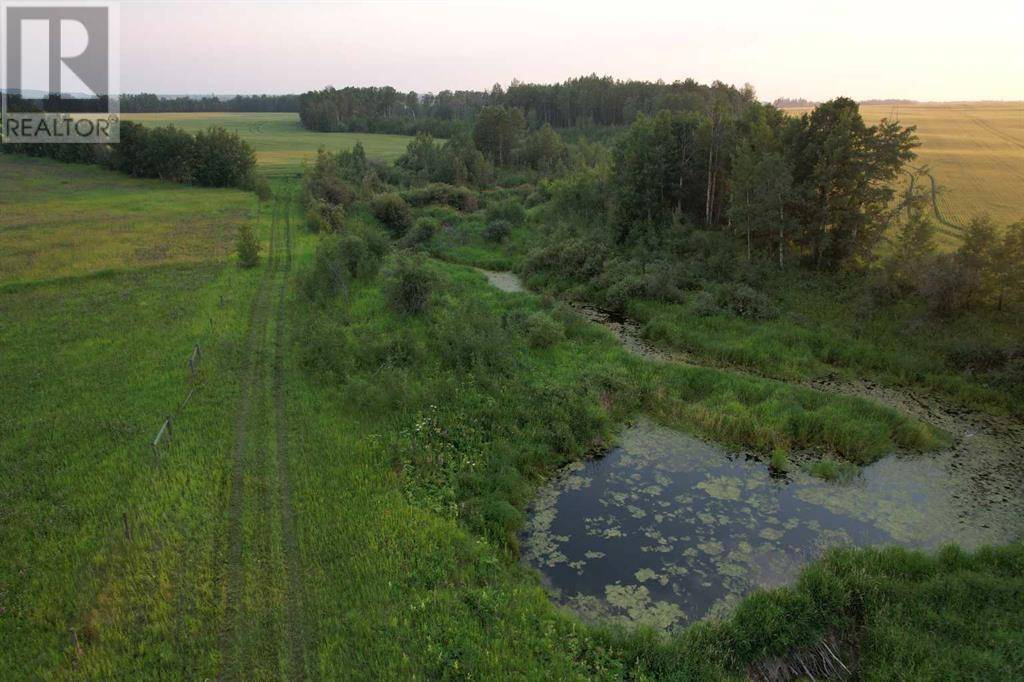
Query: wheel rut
<point x="234" y="569"/>
<point x="296" y="625"/>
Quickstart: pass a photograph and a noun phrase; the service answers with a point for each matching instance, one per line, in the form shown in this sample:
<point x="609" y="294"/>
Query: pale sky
<point x="798" y="48"/>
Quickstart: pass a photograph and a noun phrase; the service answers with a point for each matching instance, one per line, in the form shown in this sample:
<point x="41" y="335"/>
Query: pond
<point x="666" y="529"/>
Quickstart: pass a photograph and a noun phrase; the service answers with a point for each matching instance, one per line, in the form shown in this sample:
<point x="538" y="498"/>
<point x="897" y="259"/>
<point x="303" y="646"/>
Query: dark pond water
<point x="667" y="529"/>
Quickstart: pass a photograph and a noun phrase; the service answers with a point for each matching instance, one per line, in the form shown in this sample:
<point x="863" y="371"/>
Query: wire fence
<point x="166" y="432"/>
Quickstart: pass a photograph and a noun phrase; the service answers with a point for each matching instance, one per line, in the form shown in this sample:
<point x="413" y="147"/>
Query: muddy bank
<point x="974" y="433"/>
<point x="625" y="330"/>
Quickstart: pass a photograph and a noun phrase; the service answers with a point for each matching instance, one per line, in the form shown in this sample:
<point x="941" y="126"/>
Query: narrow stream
<point x="666" y="529"/>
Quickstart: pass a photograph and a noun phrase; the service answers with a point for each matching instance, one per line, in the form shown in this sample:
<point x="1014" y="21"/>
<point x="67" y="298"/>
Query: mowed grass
<point x="65" y="220"/>
<point x="975" y="151"/>
<point x="92" y="361"/>
<point x="280" y="142"/>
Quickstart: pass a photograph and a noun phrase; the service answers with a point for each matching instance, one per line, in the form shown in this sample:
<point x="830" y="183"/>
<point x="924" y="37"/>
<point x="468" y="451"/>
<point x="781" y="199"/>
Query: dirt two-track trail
<point x="264" y="631"/>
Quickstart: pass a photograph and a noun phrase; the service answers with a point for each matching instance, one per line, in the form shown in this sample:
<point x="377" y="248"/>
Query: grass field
<point x="341" y="495"/>
<point x="107" y="284"/>
<point x="281" y="144"/>
<point x="61" y="220"/>
<point x="975" y="151"/>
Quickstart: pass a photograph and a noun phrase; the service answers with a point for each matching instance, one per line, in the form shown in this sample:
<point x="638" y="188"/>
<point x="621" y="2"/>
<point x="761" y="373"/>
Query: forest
<point x="585" y="102"/>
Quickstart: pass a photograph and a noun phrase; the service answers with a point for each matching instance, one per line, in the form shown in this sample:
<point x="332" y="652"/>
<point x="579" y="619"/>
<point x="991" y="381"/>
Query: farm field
<point x="281" y="144"/>
<point x="108" y="283"/>
<point x="974" y="150"/>
<point x="67" y="221"/>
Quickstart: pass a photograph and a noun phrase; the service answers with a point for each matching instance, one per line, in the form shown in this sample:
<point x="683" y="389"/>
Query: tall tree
<point x="497" y="132"/>
<point x="843" y="173"/>
<point x="762" y="184"/>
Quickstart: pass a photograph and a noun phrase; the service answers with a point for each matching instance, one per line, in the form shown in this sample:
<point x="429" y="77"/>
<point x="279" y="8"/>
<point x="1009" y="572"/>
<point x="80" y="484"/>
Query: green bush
<point x="497" y="231"/>
<point x="422" y="233"/>
<point x="977" y="356"/>
<point x="338" y="260"/>
<point x="360" y="258"/>
<point x="409" y="286"/>
<point x="259" y="185"/>
<point x="734" y="298"/>
<point x="542" y="330"/>
<point x="247" y="246"/>
<point x="392" y="210"/>
<point x="829" y="469"/>
<point x="510" y="210"/>
<point x="325" y="218"/>
<point x="461" y="198"/>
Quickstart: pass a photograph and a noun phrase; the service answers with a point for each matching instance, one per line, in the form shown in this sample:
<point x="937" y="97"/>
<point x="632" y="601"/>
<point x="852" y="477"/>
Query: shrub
<point x="333" y="265"/>
<point x="324" y="218"/>
<point x="247" y="246"/>
<point x="944" y="286"/>
<point x="580" y="259"/>
<point x="361" y="259"/>
<point x="509" y="210"/>
<point x="542" y="330"/>
<point x="460" y="198"/>
<point x="662" y="282"/>
<point x="497" y="231"/>
<point x="977" y="356"/>
<point x="742" y="300"/>
<point x="421" y="233"/>
<point x="409" y="286"/>
<point x="223" y="159"/>
<point x="470" y="336"/>
<point x="539" y="328"/>
<point x="703" y="304"/>
<point x="393" y="212"/>
<point x="830" y="470"/>
<point x="261" y="187"/>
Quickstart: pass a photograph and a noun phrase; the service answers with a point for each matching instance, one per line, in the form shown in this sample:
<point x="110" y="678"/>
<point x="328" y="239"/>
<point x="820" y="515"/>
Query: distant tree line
<point x="150" y="103"/>
<point x="579" y="102"/>
<point x="793" y="103"/>
<point x="211" y="158"/>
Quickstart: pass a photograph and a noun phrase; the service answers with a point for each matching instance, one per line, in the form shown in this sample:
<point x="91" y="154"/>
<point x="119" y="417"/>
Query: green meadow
<point x="341" y="495"/>
<point x="281" y="144"/>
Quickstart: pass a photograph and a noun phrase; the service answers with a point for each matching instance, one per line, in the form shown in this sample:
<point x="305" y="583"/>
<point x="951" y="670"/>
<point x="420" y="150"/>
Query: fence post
<point x="77" y="647"/>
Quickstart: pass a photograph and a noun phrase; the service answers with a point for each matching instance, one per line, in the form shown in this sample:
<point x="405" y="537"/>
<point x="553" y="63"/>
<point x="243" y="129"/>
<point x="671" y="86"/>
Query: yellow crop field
<point x="974" y="150"/>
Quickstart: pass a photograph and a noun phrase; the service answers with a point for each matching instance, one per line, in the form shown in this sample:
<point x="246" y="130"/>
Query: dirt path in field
<point x="296" y="626"/>
<point x="264" y="485"/>
<point x="234" y="566"/>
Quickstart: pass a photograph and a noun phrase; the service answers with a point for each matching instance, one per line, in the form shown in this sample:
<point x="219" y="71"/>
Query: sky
<point x="794" y="48"/>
